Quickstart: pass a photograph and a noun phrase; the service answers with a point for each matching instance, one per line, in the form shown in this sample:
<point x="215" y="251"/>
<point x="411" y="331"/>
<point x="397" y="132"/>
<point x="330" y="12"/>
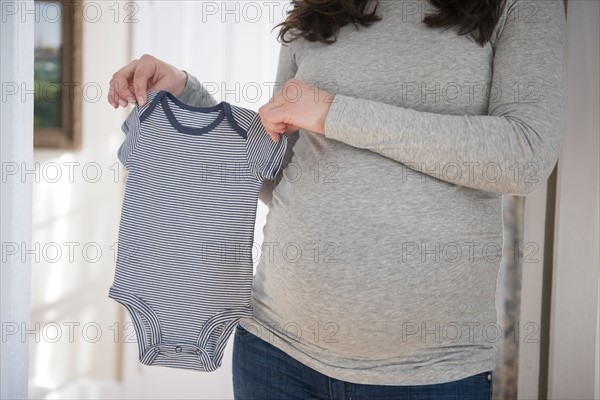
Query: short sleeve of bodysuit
<point x="130" y="127"/>
<point x="184" y="265"/>
<point x="264" y="155"/>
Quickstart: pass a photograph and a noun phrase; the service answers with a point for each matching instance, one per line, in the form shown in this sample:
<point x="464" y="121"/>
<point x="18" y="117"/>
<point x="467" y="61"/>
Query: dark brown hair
<point x="320" y="20"/>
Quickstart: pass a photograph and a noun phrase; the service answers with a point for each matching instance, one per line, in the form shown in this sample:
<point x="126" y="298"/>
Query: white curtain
<point x="227" y="45"/>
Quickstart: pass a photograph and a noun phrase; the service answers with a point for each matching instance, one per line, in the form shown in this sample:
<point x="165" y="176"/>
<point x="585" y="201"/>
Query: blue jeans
<point x="261" y="371"/>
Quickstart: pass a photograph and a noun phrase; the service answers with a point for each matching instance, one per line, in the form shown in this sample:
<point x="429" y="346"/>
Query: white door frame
<point x="16" y="149"/>
<point x="558" y="352"/>
<point x="573" y="348"/>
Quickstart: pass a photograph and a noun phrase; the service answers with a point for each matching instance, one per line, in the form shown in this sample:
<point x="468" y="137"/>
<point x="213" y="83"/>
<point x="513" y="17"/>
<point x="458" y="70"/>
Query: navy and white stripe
<point x="184" y="261"/>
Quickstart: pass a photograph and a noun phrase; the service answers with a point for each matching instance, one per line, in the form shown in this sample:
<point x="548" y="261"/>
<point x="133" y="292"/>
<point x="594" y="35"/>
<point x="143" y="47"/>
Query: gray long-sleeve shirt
<point x="384" y="236"/>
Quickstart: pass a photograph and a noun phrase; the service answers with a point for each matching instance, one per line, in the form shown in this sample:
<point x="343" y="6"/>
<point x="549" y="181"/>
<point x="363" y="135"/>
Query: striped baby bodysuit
<point x="184" y="260"/>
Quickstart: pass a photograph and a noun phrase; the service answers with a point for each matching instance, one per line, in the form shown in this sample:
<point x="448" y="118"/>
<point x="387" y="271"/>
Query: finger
<point x="274" y="130"/>
<point x="270" y="118"/>
<point x="272" y="126"/>
<point x="141" y="76"/>
<point x="113" y="97"/>
<point x="277" y="131"/>
<point x="274" y="136"/>
<point x="120" y="84"/>
<point x="110" y="97"/>
<point x="276" y="118"/>
<point x="279" y="128"/>
<point x="273" y="133"/>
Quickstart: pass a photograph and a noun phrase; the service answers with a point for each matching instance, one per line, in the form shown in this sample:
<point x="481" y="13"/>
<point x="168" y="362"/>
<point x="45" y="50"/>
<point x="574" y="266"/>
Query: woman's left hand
<point x="296" y="105"/>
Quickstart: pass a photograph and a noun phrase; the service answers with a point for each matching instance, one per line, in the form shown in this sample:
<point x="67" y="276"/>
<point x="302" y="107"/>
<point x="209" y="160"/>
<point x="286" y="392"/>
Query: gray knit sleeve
<point x="514" y="148"/>
<point x="196" y="94"/>
<point x="286" y="70"/>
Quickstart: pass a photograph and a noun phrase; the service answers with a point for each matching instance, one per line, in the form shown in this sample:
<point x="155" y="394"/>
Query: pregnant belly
<point x="386" y="257"/>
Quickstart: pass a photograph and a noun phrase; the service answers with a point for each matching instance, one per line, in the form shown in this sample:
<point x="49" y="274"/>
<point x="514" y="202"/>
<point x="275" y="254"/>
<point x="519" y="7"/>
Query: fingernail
<point x="123" y="103"/>
<point x="140" y="100"/>
<point x="131" y="99"/>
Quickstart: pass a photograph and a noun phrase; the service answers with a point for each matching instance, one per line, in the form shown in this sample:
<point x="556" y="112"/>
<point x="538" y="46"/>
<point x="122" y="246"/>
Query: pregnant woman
<point x="408" y="121"/>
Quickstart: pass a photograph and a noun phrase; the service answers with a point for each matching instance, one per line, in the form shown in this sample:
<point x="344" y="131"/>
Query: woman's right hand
<point x="130" y="83"/>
